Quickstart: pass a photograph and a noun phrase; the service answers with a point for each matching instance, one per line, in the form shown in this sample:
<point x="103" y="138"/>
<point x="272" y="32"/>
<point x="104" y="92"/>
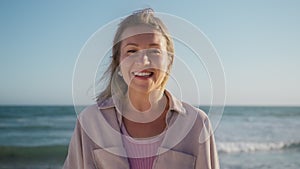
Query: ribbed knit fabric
<point x="141" y="152"/>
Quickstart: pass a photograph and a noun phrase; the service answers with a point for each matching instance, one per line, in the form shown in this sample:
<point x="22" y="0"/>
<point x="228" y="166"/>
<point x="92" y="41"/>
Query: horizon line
<point x="205" y="105"/>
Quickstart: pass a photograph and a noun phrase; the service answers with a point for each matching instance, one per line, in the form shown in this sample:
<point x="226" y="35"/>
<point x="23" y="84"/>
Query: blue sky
<point x="257" y="41"/>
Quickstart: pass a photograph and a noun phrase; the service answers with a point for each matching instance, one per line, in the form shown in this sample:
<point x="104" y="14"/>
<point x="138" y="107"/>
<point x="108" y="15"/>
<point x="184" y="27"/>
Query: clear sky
<point x="258" y="43"/>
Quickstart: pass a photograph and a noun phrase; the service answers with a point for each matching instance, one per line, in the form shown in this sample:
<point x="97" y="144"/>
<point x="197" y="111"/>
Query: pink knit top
<point x="141" y="152"/>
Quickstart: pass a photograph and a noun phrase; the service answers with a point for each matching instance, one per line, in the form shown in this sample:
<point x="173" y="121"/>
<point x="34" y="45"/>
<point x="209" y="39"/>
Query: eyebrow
<point x="154" y="44"/>
<point x="134" y="44"/>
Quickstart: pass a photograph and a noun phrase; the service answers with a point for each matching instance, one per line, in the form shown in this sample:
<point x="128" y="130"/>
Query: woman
<point x="136" y="122"/>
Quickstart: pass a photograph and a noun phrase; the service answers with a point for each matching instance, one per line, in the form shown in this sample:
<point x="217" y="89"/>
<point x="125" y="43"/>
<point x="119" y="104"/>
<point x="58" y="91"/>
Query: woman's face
<point x="144" y="60"/>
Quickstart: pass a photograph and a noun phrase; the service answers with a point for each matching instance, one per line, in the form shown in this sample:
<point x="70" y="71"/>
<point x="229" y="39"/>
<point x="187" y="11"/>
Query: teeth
<point x="142" y="73"/>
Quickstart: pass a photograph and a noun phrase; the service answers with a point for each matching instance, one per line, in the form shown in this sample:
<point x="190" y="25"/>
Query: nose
<point x="143" y="59"/>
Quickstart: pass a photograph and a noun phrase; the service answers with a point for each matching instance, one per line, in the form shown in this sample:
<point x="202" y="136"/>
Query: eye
<point x="131" y="51"/>
<point x="154" y="51"/>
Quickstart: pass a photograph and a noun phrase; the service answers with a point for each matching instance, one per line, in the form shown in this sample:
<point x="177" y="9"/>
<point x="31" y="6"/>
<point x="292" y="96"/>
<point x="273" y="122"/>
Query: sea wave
<point x="58" y="152"/>
<point x="9" y="153"/>
<point x="238" y="147"/>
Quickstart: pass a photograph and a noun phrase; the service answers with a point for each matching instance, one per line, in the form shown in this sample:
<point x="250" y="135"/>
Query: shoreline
<point x="40" y="157"/>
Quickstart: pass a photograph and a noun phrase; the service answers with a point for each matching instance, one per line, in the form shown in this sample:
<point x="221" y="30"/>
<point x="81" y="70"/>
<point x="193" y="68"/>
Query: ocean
<point x="37" y="137"/>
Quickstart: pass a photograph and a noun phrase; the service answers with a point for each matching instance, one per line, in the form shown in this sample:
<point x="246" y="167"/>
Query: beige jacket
<point x="97" y="143"/>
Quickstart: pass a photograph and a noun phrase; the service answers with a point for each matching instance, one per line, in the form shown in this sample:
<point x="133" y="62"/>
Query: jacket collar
<point x="174" y="103"/>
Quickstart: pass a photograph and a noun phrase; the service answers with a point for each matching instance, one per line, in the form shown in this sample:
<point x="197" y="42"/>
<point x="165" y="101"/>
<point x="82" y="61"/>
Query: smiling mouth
<point x="143" y="74"/>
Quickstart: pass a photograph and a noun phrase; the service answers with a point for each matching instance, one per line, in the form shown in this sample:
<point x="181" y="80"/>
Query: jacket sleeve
<point x="74" y="158"/>
<point x="207" y="152"/>
<point x="213" y="153"/>
<point x="80" y="153"/>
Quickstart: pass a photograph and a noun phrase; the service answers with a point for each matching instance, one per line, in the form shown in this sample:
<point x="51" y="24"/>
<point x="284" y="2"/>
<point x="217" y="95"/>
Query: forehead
<point x="142" y="35"/>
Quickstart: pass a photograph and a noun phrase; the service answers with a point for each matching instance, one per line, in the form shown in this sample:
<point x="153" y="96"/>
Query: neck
<point x="143" y="101"/>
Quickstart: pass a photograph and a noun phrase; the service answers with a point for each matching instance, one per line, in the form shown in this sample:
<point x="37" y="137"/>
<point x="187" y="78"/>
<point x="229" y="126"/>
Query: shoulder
<point x="192" y="110"/>
<point x="95" y="112"/>
<point x="99" y="116"/>
<point x="185" y="109"/>
<point x="100" y="107"/>
<point x="201" y="127"/>
<point x="86" y="115"/>
<point x="88" y="111"/>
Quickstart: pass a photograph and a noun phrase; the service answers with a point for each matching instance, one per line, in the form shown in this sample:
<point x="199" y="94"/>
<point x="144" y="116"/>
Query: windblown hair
<point x="141" y="17"/>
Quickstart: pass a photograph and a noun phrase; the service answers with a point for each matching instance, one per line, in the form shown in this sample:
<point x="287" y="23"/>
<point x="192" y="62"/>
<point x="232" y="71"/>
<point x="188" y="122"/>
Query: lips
<point x="143" y="74"/>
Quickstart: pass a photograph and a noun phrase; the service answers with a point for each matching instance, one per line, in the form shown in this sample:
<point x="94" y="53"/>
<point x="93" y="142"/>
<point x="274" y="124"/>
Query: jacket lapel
<point x="175" y="160"/>
<point x="105" y="159"/>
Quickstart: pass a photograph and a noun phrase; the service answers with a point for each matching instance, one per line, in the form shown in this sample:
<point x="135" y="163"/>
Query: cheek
<point x="161" y="63"/>
<point x="126" y="63"/>
<point x="121" y="58"/>
<point x="125" y="67"/>
<point x="162" y="67"/>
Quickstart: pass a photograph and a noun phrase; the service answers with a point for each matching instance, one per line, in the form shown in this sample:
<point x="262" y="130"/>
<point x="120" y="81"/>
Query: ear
<point x="120" y="73"/>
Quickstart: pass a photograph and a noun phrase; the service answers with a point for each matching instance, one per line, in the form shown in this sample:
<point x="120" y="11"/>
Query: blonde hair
<point x="141" y="17"/>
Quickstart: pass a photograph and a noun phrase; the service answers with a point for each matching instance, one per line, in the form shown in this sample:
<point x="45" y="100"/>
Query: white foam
<point x="236" y="147"/>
